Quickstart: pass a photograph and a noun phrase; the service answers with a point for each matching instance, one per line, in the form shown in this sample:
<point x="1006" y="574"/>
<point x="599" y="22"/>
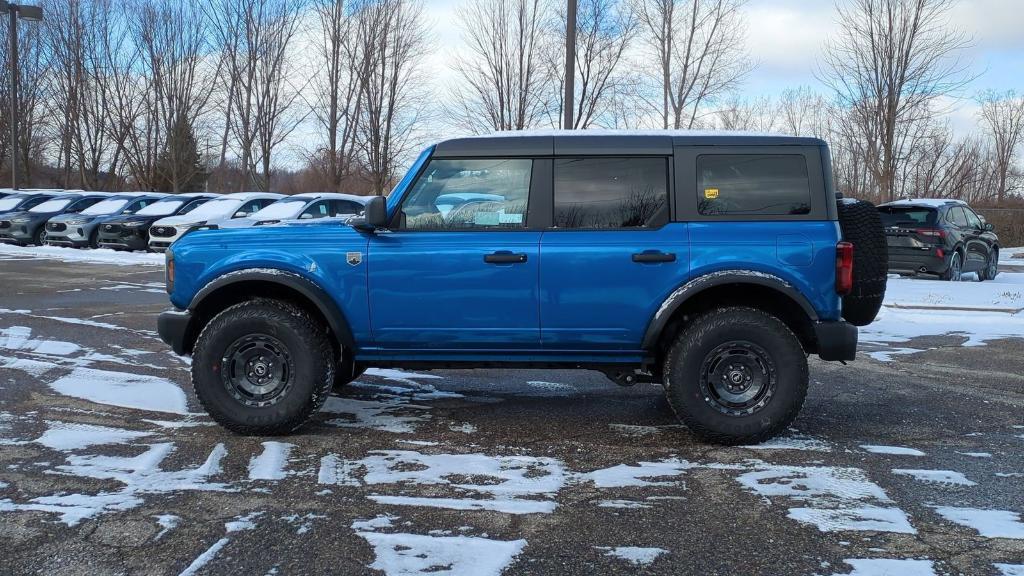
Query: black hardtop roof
<point x="606" y="142"/>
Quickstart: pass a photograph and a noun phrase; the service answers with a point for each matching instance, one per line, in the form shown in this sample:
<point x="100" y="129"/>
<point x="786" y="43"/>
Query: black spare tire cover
<point x="862" y="226"/>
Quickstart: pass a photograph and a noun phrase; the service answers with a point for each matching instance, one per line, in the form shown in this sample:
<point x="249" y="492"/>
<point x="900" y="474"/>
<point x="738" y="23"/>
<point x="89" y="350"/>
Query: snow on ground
<point x="979" y="311"/>
<point x="894" y="450"/>
<point x="270" y="464"/>
<point x="988" y="523"/>
<point x="123" y="389"/>
<point x="1010" y="569"/>
<point x="633" y="554"/>
<point x="887" y="567"/>
<point x="74" y="436"/>
<point x="94" y="256"/>
<point x="409" y="554"/>
<point x="793" y="441"/>
<point x="936" y="476"/>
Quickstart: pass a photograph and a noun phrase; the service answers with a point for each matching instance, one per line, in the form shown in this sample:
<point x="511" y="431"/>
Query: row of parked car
<point x="151" y="220"/>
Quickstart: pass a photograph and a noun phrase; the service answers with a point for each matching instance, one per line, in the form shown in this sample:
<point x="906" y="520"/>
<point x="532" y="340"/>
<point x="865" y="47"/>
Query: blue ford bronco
<point x="713" y="264"/>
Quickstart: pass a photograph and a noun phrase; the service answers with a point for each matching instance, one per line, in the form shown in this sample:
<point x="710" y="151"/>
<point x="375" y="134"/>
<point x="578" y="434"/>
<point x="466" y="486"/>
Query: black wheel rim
<point x="257" y="370"/>
<point x="738" y="378"/>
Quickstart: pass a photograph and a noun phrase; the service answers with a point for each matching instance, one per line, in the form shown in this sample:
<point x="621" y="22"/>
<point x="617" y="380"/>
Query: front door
<point x="459" y="268"/>
<point x="612" y="255"/>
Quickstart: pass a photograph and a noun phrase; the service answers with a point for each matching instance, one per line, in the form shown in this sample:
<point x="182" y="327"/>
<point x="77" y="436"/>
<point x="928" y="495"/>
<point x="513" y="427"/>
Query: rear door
<point x="611" y="255"/>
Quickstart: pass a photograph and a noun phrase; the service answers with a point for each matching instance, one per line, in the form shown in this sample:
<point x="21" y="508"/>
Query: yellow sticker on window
<point x="711" y="193"/>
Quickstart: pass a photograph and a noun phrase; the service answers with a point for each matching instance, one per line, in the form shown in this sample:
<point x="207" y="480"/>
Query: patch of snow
<point x="1010" y="569"/>
<point x="74" y="436"/>
<point x="866" y="518"/>
<point x="31" y="367"/>
<point x="419" y="442"/>
<point x="168" y="522"/>
<point x="988" y="523"/>
<point x="139" y="474"/>
<point x="626" y="504"/>
<point x="305" y="522"/>
<point x="552" y="388"/>
<point x="936" y="476"/>
<point x="633" y="554"/>
<point x="977" y="454"/>
<point x="894" y="450"/>
<point x="94" y="256"/>
<point x="792" y="442"/>
<point x="465" y="428"/>
<point x="888" y="567"/>
<point x="122" y="389"/>
<point x="641" y="474"/>
<point x="334" y="470"/>
<point x="4" y="485"/>
<point x="386" y="415"/>
<point x="377" y="523"/>
<point x="503" y="505"/>
<point x="270" y="464"/>
<point x="204" y="558"/>
<point x="812" y="481"/>
<point x="20" y="338"/>
<point x="634" y="431"/>
<point x="410" y="554"/>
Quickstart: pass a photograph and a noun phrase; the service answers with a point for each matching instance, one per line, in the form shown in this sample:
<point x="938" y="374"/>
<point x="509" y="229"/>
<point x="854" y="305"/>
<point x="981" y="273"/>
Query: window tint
<point x="906" y="216"/>
<point x="611" y="192"/>
<point x="346" y="207"/>
<point x="972" y="219"/>
<point x="315" y="210"/>
<point x="82" y="204"/>
<point x="192" y="205"/>
<point x="956" y="216"/>
<point x="753" y="184"/>
<point x="249" y="208"/>
<point x="469" y="194"/>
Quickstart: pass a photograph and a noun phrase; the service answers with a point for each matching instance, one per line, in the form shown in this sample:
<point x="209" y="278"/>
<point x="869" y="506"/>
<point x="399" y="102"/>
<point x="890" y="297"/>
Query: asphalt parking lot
<point x="914" y="465"/>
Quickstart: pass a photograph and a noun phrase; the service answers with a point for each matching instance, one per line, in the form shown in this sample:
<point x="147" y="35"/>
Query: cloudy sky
<point x="786" y="38"/>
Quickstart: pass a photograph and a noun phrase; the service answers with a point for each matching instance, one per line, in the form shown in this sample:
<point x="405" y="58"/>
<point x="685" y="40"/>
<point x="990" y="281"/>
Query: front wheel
<point x="736" y="376"/>
<point x="991" y="270"/>
<point x="262" y="367"/>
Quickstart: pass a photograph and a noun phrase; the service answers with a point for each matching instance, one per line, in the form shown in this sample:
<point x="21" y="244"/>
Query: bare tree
<point x="1003" y="118"/>
<point x="337" y="95"/>
<point x="889" y="63"/>
<point x="802" y="112"/>
<point x="391" y="85"/>
<point x="505" y="82"/>
<point x="698" y="49"/>
<point x="749" y="115"/>
<point x="605" y="30"/>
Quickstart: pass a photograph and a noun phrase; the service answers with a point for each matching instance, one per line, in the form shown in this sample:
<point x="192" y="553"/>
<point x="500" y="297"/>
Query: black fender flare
<point x="697" y="285"/>
<point x="307" y="288"/>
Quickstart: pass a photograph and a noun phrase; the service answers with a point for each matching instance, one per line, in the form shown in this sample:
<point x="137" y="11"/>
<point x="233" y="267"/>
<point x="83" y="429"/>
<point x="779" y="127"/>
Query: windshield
<point x="283" y="209"/>
<point x="11" y="202"/>
<point x="906" y="216"/>
<point x="105" y="207"/>
<point x="216" y="209"/>
<point x="161" y="208"/>
<point x="52" y="205"/>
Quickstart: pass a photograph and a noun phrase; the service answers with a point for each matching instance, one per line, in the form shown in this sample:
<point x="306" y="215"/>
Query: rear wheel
<point x="862" y="226"/>
<point x="955" y="270"/>
<point x="736" y="376"/>
<point x="991" y="270"/>
<point x="262" y="367"/>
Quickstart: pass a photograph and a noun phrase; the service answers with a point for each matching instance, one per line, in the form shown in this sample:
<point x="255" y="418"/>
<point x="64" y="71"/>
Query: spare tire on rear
<point x="862" y="226"/>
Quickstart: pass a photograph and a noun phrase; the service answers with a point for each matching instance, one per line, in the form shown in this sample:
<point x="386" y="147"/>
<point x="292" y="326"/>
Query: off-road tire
<point x="306" y="341"/>
<point x="346" y="371"/>
<point x="862" y="226"/>
<point x="685" y="363"/>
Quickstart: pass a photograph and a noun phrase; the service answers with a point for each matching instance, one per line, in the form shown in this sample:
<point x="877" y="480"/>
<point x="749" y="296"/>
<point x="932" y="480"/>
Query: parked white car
<point x="239" y="205"/>
<point x="302" y="207"/>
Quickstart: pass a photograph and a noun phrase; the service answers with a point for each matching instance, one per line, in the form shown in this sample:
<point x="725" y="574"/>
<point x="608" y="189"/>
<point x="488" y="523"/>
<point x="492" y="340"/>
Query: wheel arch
<point x="244" y="285"/>
<point x="732" y="288"/>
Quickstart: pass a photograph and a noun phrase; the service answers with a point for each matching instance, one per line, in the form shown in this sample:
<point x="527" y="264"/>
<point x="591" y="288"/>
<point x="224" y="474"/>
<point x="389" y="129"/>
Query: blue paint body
<point x="578" y="297"/>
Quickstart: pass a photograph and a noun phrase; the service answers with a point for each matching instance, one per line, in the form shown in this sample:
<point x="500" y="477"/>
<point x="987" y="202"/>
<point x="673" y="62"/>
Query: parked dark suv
<point x="132" y="232"/>
<point x="943" y="237"/>
<point x="711" y="264"/>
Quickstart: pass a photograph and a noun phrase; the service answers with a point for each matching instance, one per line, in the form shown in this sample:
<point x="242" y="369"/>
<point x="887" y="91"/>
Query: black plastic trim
<point x="696" y="286"/>
<point x="836" y="340"/>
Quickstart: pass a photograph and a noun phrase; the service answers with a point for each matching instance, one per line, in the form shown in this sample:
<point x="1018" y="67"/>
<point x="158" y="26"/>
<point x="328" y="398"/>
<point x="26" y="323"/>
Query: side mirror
<point x="240" y="214"/>
<point x="374" y="216"/>
<point x="989" y="227"/>
<point x="305" y="216"/>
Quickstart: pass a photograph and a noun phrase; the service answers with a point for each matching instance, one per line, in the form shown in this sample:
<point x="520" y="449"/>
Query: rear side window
<point x="753" y="185"/>
<point x="609" y="193"/>
<point x="906" y="216"/>
<point x="957" y="217"/>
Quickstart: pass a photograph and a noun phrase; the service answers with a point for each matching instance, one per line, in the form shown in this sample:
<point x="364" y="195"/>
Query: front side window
<point x="753" y="185"/>
<point x="315" y="210"/>
<point x="469" y="194"/>
<point x="972" y="219"/>
<point x="193" y="205"/>
<point x="346" y="207"/>
<point x="608" y="193"/>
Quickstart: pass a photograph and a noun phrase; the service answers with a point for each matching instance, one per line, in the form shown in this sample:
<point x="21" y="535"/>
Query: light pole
<point x="570" y="65"/>
<point x="33" y="14"/>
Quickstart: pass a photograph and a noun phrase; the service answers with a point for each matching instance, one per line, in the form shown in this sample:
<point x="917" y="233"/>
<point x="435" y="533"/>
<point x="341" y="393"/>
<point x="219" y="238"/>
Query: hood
<point x="18" y="215"/>
<point x="182" y="219"/>
<point x="237" y="223"/>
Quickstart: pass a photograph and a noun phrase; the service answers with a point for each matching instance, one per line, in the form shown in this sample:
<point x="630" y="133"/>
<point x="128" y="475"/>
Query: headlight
<point x="133" y="224"/>
<point x="19" y="220"/>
